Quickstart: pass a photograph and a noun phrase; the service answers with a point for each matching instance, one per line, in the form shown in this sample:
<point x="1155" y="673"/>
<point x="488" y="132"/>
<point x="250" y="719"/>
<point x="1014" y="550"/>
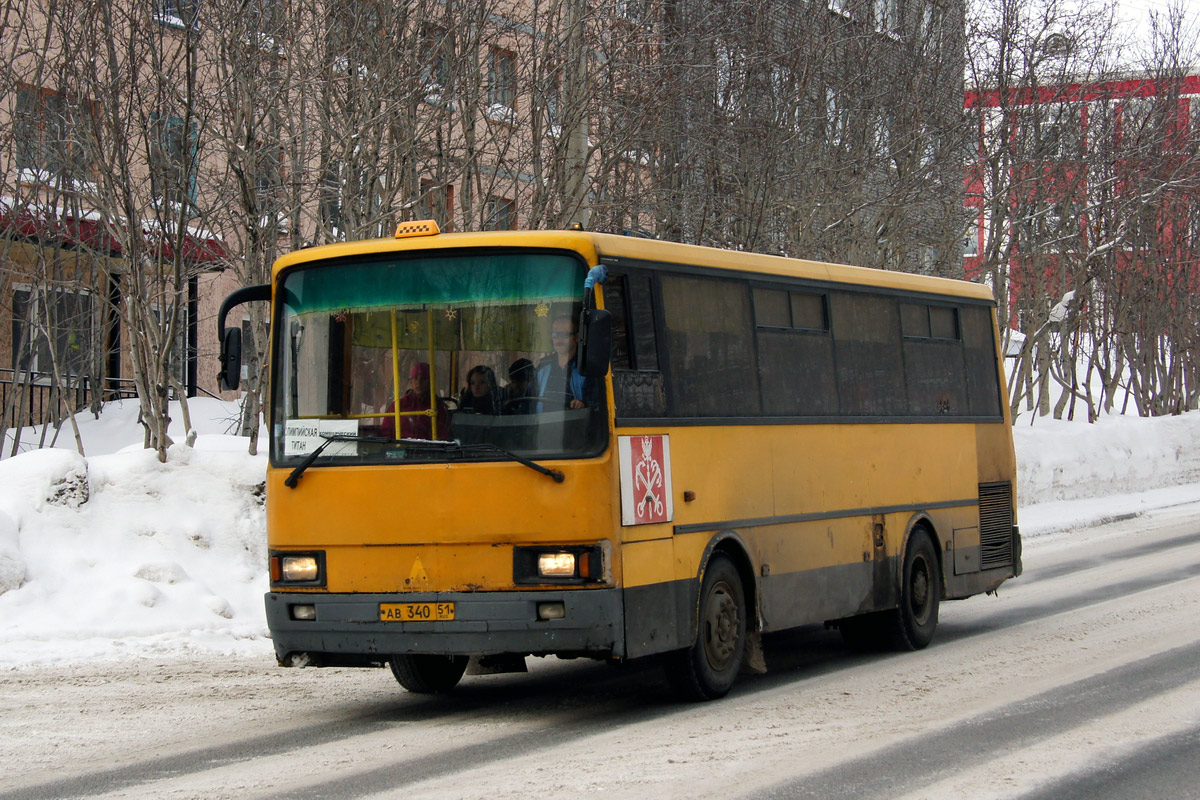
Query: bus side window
<point x="641" y="317"/>
<point x="615" y="303"/>
<point x="979" y="346"/>
<point x="637" y="383"/>
<point x="708" y="338"/>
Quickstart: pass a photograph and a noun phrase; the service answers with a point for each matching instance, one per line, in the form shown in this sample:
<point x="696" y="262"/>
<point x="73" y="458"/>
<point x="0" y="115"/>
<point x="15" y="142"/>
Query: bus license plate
<point x="415" y="612"/>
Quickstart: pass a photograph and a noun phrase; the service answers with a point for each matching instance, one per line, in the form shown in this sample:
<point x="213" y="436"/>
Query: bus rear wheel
<point x="707" y="670"/>
<point x="911" y="626"/>
<point x="428" y="674"/>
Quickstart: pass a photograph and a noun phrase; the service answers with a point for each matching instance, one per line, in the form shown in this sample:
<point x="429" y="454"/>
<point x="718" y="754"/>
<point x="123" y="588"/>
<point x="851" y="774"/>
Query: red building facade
<point x="1091" y="187"/>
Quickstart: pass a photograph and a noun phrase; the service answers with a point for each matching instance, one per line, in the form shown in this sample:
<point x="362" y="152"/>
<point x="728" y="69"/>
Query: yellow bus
<point x="485" y="446"/>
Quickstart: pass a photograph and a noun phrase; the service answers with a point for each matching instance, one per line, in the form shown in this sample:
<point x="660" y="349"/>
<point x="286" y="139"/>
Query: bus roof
<point x="594" y="246"/>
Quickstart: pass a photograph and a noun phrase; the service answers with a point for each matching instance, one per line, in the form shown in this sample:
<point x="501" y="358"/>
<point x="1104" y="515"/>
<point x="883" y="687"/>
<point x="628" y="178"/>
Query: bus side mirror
<point x="595" y="342"/>
<point x="230" y="376"/>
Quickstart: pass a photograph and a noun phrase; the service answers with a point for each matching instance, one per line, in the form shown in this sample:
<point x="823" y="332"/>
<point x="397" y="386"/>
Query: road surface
<point x="1080" y="679"/>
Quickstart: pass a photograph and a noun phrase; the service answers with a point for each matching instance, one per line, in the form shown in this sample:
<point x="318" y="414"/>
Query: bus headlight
<point x="564" y="564"/>
<point x="556" y="565"/>
<point x="298" y="569"/>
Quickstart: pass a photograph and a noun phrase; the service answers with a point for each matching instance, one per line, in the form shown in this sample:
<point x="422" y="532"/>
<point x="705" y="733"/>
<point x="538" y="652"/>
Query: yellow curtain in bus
<point x="517" y="328"/>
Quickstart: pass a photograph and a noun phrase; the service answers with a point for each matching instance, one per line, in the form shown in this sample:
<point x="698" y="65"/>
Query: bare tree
<point x="143" y="75"/>
<point x="1085" y="179"/>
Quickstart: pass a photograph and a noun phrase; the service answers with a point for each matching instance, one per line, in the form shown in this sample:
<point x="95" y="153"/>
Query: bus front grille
<point x="995" y="525"/>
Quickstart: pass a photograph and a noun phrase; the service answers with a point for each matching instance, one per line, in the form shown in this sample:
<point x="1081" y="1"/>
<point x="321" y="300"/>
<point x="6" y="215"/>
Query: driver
<point x="558" y="375"/>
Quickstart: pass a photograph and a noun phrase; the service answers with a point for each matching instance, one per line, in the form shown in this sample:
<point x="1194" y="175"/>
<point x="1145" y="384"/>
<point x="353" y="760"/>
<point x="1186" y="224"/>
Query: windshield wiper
<point x="533" y="465"/>
<point x="294" y="477"/>
<point x="481" y="447"/>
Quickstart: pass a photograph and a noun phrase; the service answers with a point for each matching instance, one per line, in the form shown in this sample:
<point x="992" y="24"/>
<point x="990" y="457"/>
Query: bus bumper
<point x="346" y="629"/>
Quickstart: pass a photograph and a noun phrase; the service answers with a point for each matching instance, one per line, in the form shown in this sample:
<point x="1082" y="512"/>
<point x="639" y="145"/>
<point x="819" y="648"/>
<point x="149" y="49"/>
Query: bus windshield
<point x="430" y="357"/>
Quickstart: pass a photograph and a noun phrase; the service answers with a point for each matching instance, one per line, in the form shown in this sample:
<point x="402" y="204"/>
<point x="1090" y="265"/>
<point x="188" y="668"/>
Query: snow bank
<point x="1072" y="475"/>
<point x="118" y="552"/>
<point x="1058" y="460"/>
<point x="121" y="547"/>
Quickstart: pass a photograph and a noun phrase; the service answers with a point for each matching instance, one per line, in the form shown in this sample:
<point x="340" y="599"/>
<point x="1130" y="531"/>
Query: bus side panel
<point x="996" y="457"/>
<point x="659" y="611"/>
<point x="965" y="565"/>
<point x="812" y="570"/>
<point x="816" y="595"/>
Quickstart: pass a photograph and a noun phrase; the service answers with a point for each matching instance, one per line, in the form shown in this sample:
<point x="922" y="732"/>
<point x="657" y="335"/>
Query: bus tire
<point x="428" y="674"/>
<point x="707" y="669"/>
<point x="911" y="626"/>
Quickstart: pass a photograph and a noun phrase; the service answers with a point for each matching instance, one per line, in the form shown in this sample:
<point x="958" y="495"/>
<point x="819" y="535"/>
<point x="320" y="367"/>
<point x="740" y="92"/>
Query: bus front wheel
<point x="428" y="674"/>
<point x="707" y="670"/>
<point x="911" y="626"/>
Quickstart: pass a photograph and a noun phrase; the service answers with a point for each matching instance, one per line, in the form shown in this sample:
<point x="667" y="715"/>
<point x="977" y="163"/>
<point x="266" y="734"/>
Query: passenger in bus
<point x="520" y="390"/>
<point x="481" y="395"/>
<point x="417" y="399"/>
<point x="558" y="375"/>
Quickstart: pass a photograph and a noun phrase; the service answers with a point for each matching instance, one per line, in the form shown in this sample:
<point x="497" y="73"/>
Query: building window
<point x="881" y="136"/>
<point x="345" y="189"/>
<point x="354" y="33"/>
<point x="1101" y="126"/>
<point x="173" y="160"/>
<point x="177" y="13"/>
<point x="54" y="133"/>
<point x="435" y="61"/>
<point x="265" y="18"/>
<point x="330" y="199"/>
<point x="1137" y="123"/>
<point x="60" y="318"/>
<point x="730" y="78"/>
<point x="929" y="260"/>
<point x="553" y="97"/>
<point x="502" y="84"/>
<point x="177" y="355"/>
<point x="633" y="10"/>
<point x="1054" y="134"/>
<point x="837" y="116"/>
<point x="501" y="214"/>
<point x="887" y="16"/>
<point x="1193" y="232"/>
<point x="269" y="187"/>
<point x="972" y="235"/>
<point x="930" y="25"/>
<point x="437" y="203"/>
<point x="929" y="147"/>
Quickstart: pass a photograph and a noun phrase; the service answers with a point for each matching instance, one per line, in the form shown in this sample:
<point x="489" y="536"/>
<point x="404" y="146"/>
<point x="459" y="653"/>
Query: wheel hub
<point x="919" y="601"/>
<point x="720" y="627"/>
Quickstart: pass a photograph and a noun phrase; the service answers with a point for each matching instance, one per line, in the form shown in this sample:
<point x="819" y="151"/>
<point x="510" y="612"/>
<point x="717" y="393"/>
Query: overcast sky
<point x="1137" y="12"/>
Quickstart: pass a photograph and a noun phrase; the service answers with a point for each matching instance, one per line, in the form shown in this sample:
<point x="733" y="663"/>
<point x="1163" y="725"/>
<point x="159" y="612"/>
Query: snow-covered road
<point x="1090" y="659"/>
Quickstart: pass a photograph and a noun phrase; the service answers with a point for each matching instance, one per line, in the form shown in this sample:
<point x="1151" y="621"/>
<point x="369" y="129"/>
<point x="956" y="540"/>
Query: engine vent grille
<point x="995" y="525"/>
